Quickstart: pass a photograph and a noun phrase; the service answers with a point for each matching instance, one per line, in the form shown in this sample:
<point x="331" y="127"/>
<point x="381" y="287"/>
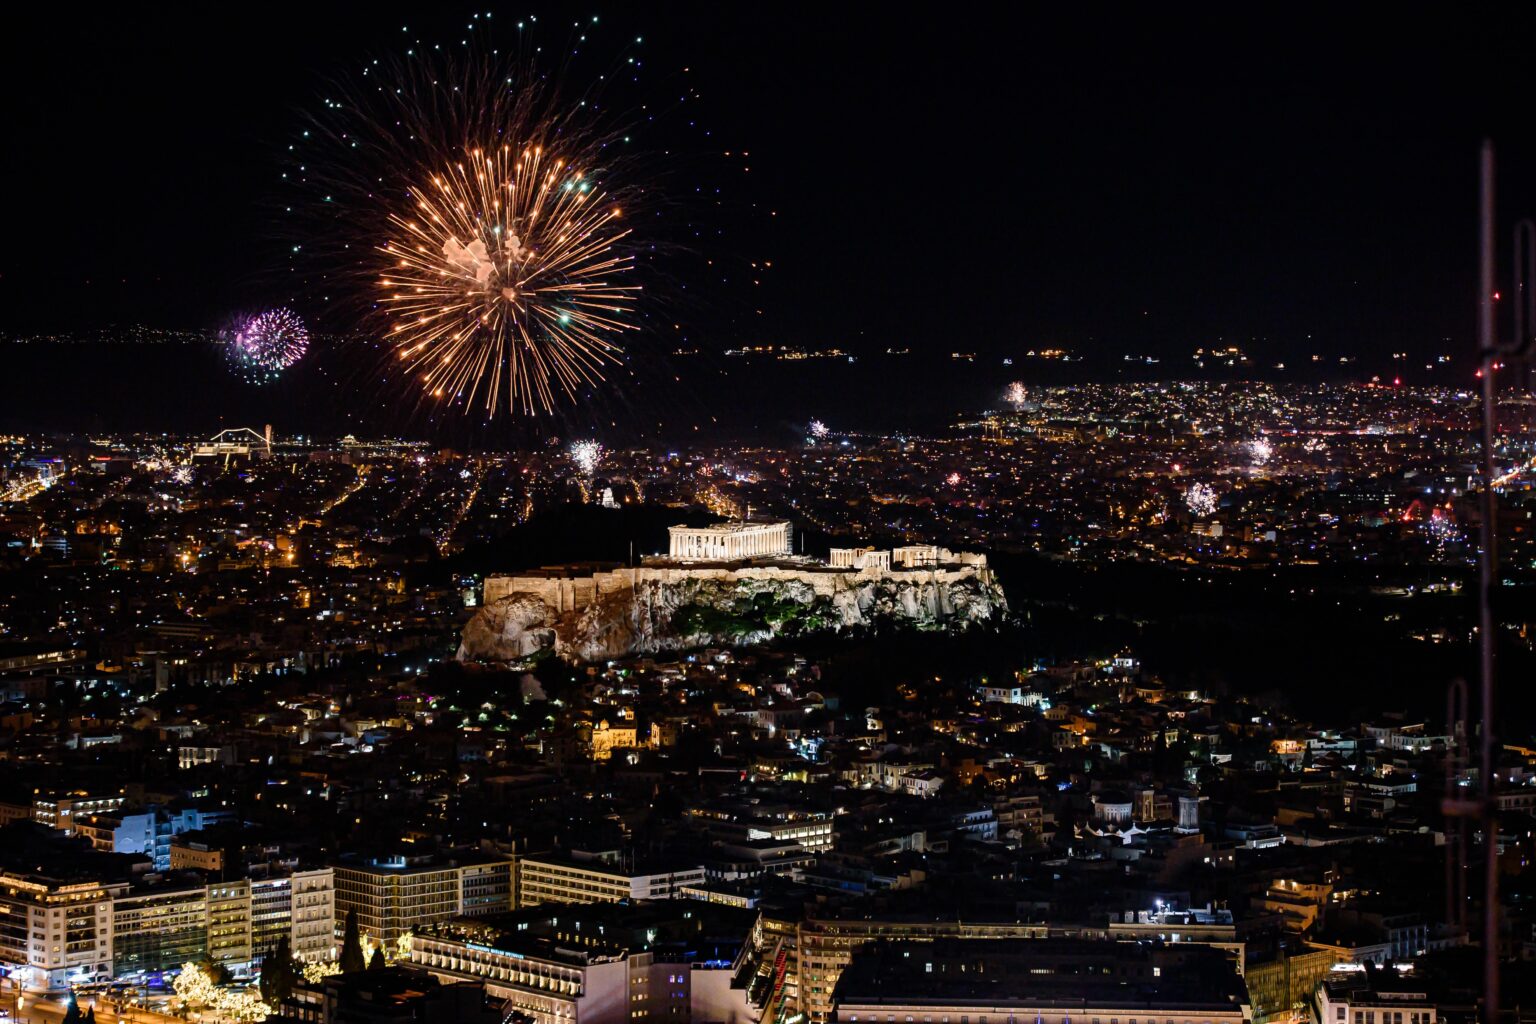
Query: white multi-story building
<point x="621" y="965"/>
<point x="58" y="810"/>
<point x="160" y="927"/>
<point x="80" y="918"/>
<point x="551" y="879"/>
<point x="56" y="932"/>
<point x="300" y="906"/>
<point x="148" y="832"/>
<point x="1357" y="998"/>
<point x="1012" y="695"/>
<point x="811" y="829"/>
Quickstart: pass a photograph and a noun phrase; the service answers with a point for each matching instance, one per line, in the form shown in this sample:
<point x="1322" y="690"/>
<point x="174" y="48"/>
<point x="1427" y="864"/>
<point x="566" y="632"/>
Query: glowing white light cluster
<point x="1201" y="499"/>
<point x="587" y="455"/>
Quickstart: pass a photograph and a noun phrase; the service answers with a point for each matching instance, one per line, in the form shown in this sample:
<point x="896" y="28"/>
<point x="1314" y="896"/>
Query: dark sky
<point x="944" y="177"/>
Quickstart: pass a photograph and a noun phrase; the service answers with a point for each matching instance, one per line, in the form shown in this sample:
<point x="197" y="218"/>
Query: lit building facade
<point x="56" y="932"/>
<point x="608" y="965"/>
<point x="729" y="542"/>
<point x="567" y="880"/>
<point x="301" y="906"/>
<point x="394" y="895"/>
<point x="824" y="947"/>
<point x="59" y="810"/>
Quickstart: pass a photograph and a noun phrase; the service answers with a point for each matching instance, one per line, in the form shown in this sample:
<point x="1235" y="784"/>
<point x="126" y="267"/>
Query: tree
<point x="218" y="973"/>
<point x="377" y="962"/>
<point x="351" y="945"/>
<point x="277" y="972"/>
<point x="193" y="986"/>
<point x="73" y="1014"/>
<point x="90" y="1016"/>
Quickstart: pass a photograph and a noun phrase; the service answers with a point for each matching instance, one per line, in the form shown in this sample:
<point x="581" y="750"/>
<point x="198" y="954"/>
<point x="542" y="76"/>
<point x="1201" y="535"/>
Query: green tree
<point x="351" y="945"/>
<point x="277" y="973"/>
<point x="377" y="962"/>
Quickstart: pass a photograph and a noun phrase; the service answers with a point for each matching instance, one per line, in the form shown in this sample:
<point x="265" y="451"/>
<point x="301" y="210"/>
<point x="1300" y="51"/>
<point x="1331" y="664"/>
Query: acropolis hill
<point x="729" y="583"/>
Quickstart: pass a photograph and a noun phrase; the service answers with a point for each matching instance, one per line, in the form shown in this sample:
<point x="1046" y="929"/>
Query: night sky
<point x="947" y="179"/>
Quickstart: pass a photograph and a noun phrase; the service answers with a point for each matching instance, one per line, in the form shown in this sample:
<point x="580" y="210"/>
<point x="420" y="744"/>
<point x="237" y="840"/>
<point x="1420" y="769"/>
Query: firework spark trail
<point x="265" y="345"/>
<point x="1441" y="529"/>
<point x="1200" y="499"/>
<point x="474" y="207"/>
<point x="507" y="282"/>
<point x="587" y="455"/>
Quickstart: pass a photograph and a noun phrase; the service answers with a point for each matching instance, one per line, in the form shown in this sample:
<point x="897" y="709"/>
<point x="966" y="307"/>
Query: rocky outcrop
<point x="648" y="612"/>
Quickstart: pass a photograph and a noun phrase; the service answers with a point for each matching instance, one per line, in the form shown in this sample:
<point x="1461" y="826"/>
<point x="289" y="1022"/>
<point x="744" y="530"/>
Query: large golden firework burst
<point x="505" y="280"/>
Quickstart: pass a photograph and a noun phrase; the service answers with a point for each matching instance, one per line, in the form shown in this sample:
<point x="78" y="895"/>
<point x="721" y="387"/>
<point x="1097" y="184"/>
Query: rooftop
<point x="1067" y="973"/>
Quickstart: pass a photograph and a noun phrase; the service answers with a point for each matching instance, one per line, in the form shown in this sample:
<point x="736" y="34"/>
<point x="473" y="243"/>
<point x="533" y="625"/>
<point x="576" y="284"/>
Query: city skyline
<point x="700" y="514"/>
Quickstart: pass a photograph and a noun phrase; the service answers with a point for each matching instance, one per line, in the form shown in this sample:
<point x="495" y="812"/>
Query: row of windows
<point x="1014" y="1019"/>
<point x="1387" y="1016"/>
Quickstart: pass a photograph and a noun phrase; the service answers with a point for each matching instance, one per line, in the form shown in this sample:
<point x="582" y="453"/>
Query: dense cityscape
<point x="245" y="720"/>
<point x="761" y="514"/>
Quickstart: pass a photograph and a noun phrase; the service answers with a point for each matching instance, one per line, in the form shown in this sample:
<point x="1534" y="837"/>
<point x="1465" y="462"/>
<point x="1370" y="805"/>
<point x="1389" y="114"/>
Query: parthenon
<point x="729" y="542"/>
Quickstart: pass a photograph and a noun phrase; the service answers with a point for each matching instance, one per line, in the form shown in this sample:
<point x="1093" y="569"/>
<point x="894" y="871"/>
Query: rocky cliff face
<point x="676" y="614"/>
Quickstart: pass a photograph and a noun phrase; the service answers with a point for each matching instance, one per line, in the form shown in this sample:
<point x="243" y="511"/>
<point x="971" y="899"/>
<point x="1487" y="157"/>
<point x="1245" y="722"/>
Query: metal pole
<point x="1488" y="571"/>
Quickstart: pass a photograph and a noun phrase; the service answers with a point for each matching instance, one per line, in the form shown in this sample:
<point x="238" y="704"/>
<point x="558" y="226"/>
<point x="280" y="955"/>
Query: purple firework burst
<point x="267" y="344"/>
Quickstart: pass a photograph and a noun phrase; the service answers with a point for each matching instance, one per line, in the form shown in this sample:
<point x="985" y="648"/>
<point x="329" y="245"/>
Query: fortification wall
<point x="598" y="612"/>
<point x="573" y="593"/>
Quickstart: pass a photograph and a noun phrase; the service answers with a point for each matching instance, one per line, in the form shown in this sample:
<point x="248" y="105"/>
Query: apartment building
<point x="149" y="832"/>
<point x="162" y="926"/>
<point x="599" y="879"/>
<point x="60" y="809"/>
<point x="71" y="915"/>
<point x="398" y="893"/>
<point x="300" y="905"/>
<point x="56" y="927"/>
<point x="600" y="963"/>
<point x="824" y="946"/>
<point x="1050" y="981"/>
